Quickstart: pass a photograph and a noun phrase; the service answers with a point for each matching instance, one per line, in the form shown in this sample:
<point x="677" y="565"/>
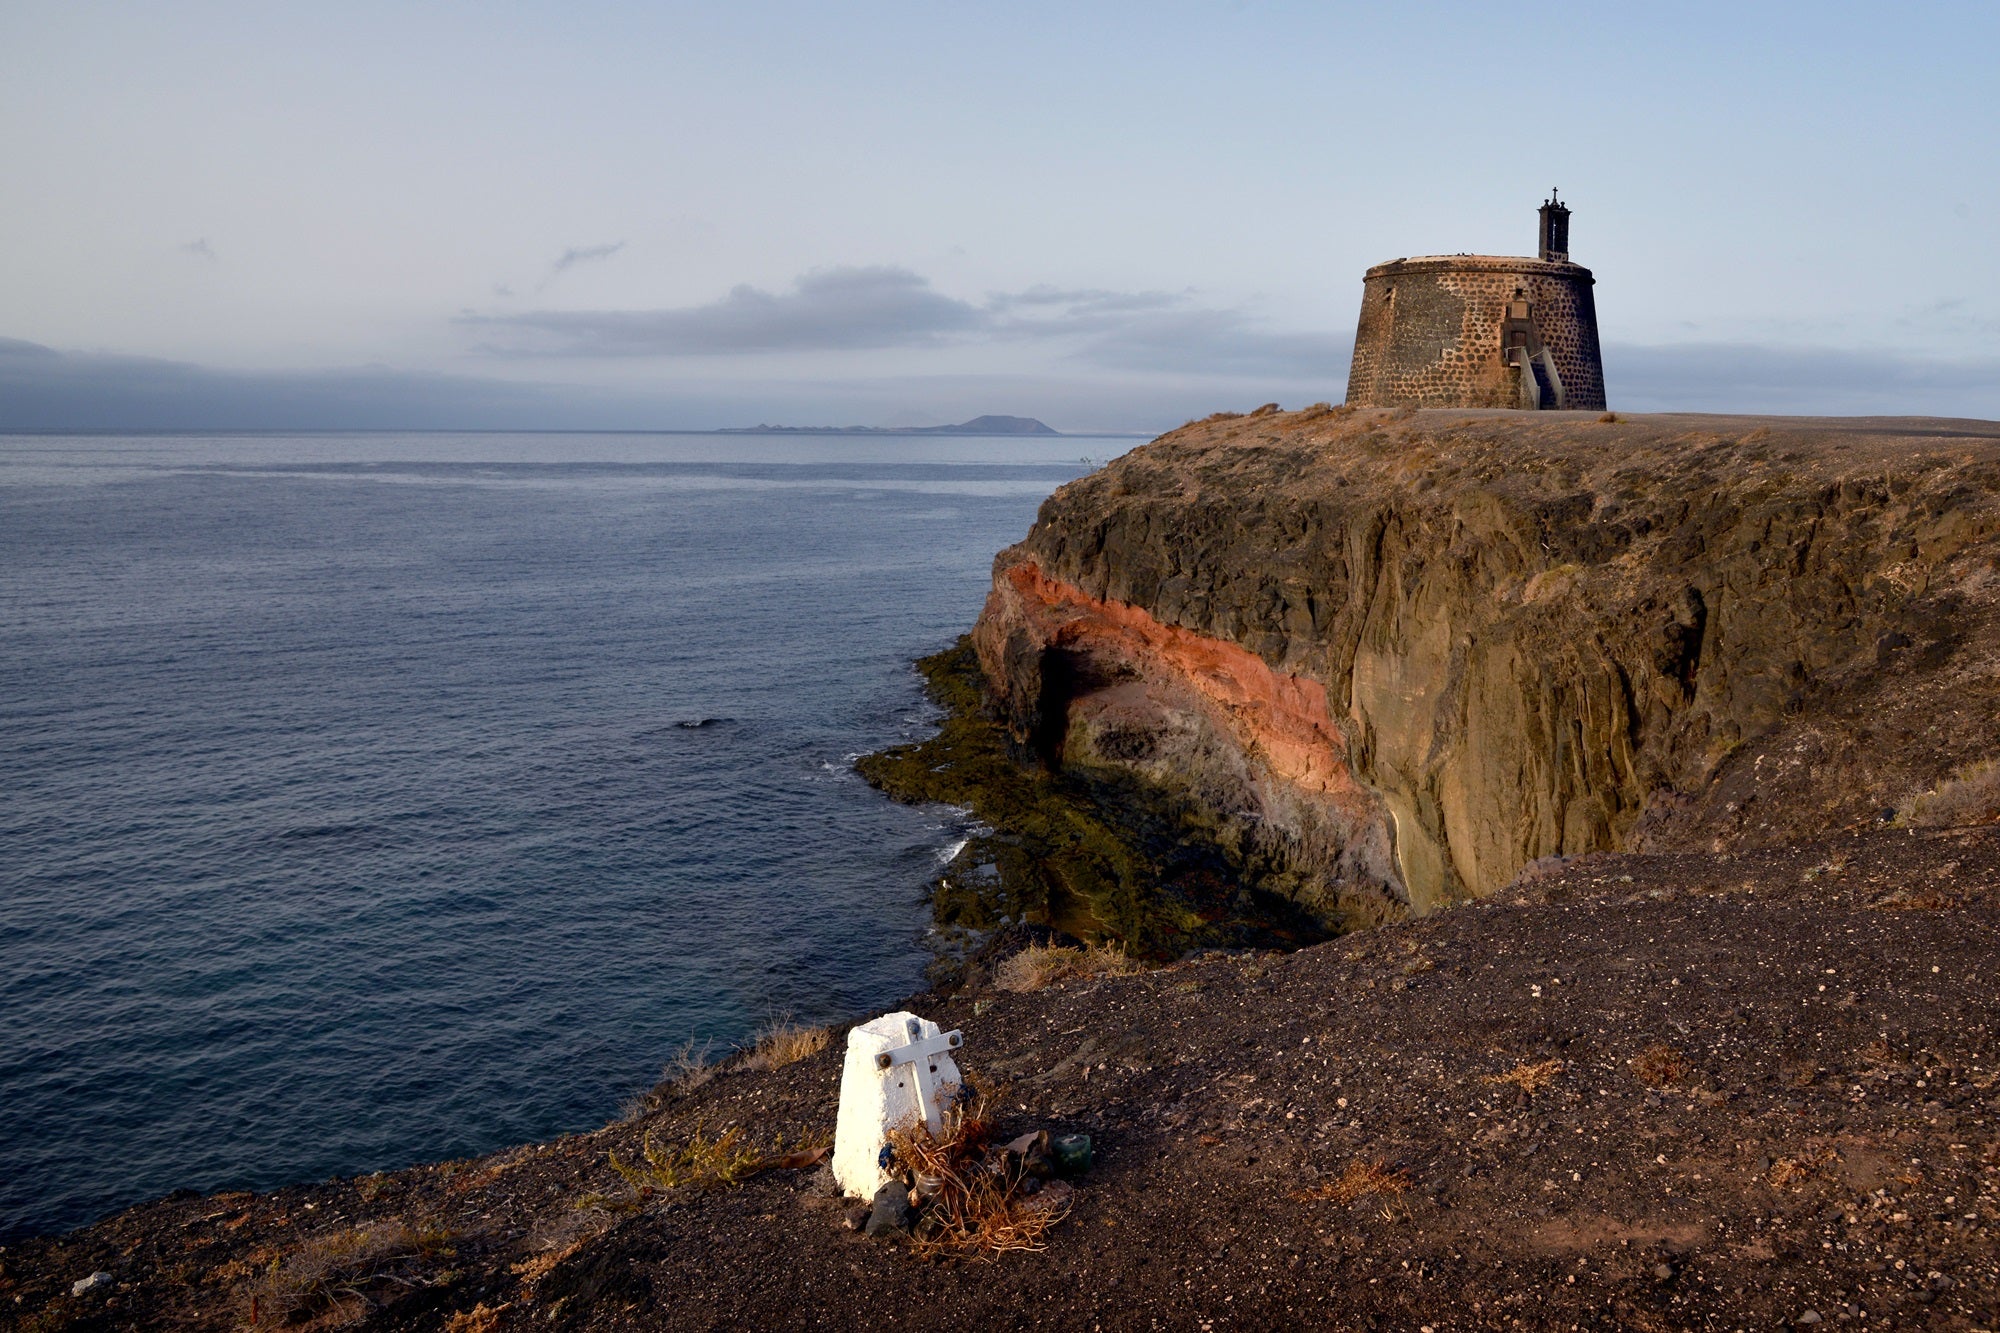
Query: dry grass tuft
<point x="1359" y="1181"/>
<point x="1915" y="900"/>
<point x="538" y="1266"/>
<point x="1529" y="1077"/>
<point x="342" y="1276"/>
<point x="1039" y="964"/>
<point x="785" y="1043"/>
<point x="1796" y="1170"/>
<point x="1970" y="796"/>
<point x="1608" y="419"/>
<point x="1659" y="1066"/>
<point x="976" y="1212"/>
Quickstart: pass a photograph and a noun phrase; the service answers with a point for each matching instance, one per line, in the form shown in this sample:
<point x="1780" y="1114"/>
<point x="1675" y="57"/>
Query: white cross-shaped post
<point x="919" y="1055"/>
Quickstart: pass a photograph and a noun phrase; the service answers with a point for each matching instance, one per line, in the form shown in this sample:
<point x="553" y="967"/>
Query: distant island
<point x="987" y="425"/>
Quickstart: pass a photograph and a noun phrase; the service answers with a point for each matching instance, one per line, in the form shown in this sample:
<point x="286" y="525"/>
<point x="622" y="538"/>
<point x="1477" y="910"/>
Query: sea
<point x="369" y="799"/>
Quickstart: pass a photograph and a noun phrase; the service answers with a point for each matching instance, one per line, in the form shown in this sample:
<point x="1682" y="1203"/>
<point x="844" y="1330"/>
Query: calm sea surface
<point x="369" y="799"/>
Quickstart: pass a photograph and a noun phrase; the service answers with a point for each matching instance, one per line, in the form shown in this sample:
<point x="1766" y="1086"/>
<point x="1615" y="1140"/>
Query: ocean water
<point x="372" y="799"/>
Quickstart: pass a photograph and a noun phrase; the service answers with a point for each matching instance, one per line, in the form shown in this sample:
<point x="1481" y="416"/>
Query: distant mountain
<point x="998" y="426"/>
<point x="986" y="425"/>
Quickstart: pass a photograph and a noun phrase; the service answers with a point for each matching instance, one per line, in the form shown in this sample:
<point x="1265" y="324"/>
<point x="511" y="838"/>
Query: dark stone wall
<point x="1429" y="333"/>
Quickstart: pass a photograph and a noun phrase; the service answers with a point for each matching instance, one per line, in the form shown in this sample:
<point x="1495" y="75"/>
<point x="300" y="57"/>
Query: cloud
<point x="827" y="310"/>
<point x="585" y="254"/>
<point x="200" y="249"/>
<point x="1082" y="303"/>
<point x="848" y="309"/>
<point x="42" y="388"/>
<point x="1817" y="381"/>
<point x="1219" y="342"/>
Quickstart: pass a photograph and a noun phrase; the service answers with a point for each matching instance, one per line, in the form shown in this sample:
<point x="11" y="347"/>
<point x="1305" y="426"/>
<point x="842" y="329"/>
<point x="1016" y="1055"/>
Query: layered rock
<point x="1396" y="657"/>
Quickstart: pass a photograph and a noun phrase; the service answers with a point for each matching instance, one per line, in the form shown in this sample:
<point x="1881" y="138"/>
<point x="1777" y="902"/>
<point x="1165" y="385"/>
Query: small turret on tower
<point x="1555" y="229"/>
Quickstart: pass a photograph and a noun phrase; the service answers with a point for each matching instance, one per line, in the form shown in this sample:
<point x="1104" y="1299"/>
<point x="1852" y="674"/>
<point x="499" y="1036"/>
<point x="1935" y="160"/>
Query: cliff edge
<point x="1396" y="657"/>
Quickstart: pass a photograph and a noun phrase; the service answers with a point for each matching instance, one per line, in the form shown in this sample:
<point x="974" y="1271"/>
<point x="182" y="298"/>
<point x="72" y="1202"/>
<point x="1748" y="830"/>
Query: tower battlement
<point x="1481" y="330"/>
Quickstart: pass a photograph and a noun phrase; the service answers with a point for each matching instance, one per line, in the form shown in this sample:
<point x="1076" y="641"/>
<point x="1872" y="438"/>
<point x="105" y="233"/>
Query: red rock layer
<point x="1299" y="784"/>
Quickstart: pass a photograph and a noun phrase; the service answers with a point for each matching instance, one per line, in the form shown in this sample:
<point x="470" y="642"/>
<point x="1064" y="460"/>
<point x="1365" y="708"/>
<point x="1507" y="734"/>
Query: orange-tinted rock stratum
<point x="1396" y="657"/>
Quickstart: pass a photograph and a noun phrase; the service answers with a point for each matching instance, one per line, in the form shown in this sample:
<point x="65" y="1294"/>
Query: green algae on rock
<point x="1100" y="858"/>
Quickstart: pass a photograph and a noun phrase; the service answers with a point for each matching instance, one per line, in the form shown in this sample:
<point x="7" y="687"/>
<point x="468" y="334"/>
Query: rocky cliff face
<point x="1393" y="658"/>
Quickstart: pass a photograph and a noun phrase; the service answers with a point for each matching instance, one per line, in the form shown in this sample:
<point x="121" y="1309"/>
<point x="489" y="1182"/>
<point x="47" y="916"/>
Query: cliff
<point x="1400" y="656"/>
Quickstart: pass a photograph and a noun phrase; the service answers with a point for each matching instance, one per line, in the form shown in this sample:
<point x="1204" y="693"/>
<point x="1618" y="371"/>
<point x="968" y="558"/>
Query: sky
<point x="1113" y="217"/>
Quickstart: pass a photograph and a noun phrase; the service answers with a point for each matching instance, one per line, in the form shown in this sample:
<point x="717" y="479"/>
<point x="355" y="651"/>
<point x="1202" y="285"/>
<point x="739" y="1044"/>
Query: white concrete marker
<point x="897" y="1068"/>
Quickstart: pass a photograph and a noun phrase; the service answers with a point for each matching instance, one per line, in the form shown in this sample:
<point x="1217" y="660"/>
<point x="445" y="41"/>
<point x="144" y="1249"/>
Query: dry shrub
<point x="1796" y="1170"/>
<point x="784" y="1043"/>
<point x="1608" y="419"/>
<point x="977" y="1212"/>
<point x="1659" y="1066"/>
<point x="1970" y="796"/>
<point x="345" y="1275"/>
<point x="1529" y="1077"/>
<point x="1038" y="965"/>
<point x="481" y="1318"/>
<point x="1358" y="1181"/>
<point x="687" y="1069"/>
<point x="726" y="1159"/>
<point x="722" y="1160"/>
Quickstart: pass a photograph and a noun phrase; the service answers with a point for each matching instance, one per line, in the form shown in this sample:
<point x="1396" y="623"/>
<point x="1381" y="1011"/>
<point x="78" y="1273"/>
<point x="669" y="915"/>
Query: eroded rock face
<point x="1399" y="656"/>
<point x="1098" y="684"/>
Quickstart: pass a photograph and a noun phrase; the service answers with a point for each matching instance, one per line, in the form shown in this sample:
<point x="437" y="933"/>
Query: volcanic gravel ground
<point x="1765" y="1093"/>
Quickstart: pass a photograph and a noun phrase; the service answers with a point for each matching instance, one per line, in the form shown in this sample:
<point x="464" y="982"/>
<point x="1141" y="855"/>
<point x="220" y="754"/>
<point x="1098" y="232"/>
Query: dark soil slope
<point x="1643" y="1092"/>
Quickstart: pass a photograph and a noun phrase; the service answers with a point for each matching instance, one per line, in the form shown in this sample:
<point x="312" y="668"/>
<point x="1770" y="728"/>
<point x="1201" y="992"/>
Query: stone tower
<point x="1481" y="330"/>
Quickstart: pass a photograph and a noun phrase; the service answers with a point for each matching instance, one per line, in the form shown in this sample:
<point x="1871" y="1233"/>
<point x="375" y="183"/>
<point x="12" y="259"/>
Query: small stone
<point x="855" y="1218"/>
<point x="890" y="1215"/>
<point x="1663" y="1271"/>
<point x="83" y="1286"/>
<point x="1056" y="1194"/>
<point x="1809" y="1317"/>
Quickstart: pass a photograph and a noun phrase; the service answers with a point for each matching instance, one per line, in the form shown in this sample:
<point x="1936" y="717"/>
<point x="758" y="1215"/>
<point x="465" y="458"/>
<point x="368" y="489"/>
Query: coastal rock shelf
<point x="1396" y="657"/>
